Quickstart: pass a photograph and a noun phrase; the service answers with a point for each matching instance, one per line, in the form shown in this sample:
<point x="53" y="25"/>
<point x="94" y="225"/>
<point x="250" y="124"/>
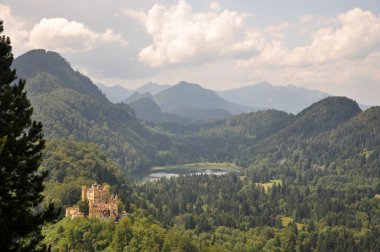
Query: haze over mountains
<point x="72" y="107"/>
<point x="262" y="95"/>
<point x="182" y="103"/>
<point x="115" y="93"/>
<point x="190" y="102"/>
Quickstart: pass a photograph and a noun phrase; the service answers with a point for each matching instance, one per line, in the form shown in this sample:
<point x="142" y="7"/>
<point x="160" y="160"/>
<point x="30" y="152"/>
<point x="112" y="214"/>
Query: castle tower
<point x="84" y="193"/>
<point x="101" y="204"/>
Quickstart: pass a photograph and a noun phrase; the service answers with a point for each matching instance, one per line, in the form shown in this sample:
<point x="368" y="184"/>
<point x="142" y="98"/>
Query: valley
<point x="246" y="180"/>
<point x="189" y="126"/>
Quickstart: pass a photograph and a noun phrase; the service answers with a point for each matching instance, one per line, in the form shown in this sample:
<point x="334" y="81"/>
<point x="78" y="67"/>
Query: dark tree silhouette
<point x="22" y="142"/>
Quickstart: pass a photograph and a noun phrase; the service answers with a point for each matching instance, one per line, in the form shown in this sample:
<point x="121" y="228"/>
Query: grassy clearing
<point x="269" y="184"/>
<point x="286" y="220"/>
<point x="198" y="166"/>
<point x="377" y="196"/>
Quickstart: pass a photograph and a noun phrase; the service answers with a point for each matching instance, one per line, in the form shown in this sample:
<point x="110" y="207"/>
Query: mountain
<point x="182" y="103"/>
<point x="115" y="93"/>
<point x="317" y="136"/>
<point x="137" y="96"/>
<point x="306" y="127"/>
<point x="264" y="95"/>
<point x="201" y="114"/>
<point x="70" y="106"/>
<point x="187" y="97"/>
<point x="146" y="109"/>
<point x="152" y="88"/>
<point x="323" y="115"/>
<point x="56" y="71"/>
<point x="119" y="94"/>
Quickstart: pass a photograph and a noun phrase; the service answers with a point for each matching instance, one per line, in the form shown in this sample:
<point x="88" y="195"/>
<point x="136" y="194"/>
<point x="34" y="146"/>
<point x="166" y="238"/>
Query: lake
<point x="154" y="176"/>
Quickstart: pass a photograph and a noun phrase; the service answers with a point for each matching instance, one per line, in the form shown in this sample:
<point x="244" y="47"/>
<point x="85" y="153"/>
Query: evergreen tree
<point x="21" y="216"/>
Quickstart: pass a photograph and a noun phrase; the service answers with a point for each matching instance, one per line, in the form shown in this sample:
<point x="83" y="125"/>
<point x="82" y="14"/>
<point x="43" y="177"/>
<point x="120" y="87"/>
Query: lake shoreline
<point x="169" y="171"/>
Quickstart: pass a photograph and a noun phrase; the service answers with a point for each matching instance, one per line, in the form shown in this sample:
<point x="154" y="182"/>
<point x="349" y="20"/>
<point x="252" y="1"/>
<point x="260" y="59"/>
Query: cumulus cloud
<point x="179" y="34"/>
<point x="14" y="27"/>
<point x="69" y="36"/>
<point x="306" y="19"/>
<point x="215" y="5"/>
<point x="137" y="15"/>
<point x="58" y="34"/>
<point x="343" y="54"/>
<point x="277" y="28"/>
<point x="356" y="36"/>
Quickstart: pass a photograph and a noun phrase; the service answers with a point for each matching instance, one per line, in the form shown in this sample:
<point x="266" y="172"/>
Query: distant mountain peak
<point x="288" y="98"/>
<point x="152" y="87"/>
<point x="150" y="84"/>
<point x="115" y="93"/>
<point x="263" y="84"/>
<point x="188" y="84"/>
<point x="137" y="96"/>
<point x="190" y="95"/>
<point x="39" y="58"/>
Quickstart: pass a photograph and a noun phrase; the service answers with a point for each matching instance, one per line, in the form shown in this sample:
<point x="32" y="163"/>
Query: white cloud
<point x="58" y="34"/>
<point x="14" y="27"/>
<point x="180" y="35"/>
<point x="278" y="31"/>
<point x="306" y="19"/>
<point x="277" y="28"/>
<point x="214" y="5"/>
<point x="357" y="35"/>
<point x="215" y="47"/>
<point x="343" y="57"/>
<point x="138" y="15"/>
<point x="69" y="36"/>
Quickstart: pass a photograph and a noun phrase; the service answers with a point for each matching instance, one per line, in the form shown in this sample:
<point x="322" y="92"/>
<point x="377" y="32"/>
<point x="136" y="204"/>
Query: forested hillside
<point x="309" y="182"/>
<point x="146" y="109"/>
<point x="329" y="131"/>
<point x="72" y="107"/>
<point x="71" y="165"/>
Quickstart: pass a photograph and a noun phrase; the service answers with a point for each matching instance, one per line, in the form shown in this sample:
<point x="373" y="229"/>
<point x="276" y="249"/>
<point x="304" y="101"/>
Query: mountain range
<point x="71" y="107"/>
<point x="189" y="102"/>
<point x="318" y="168"/>
<point x="197" y="103"/>
<point x="264" y="95"/>
<point x="115" y="93"/>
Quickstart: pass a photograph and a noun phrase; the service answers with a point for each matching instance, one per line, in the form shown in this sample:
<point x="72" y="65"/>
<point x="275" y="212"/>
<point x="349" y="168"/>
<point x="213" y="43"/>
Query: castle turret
<point x="84" y="193"/>
<point x="101" y="204"/>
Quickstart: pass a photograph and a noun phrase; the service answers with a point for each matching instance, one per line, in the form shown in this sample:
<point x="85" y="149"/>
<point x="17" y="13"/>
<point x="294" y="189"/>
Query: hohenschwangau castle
<point x="101" y="205"/>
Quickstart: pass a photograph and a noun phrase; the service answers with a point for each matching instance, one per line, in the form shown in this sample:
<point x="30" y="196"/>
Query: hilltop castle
<point x="101" y="205"/>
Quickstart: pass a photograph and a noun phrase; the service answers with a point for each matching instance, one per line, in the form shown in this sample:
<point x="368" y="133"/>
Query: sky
<point x="327" y="45"/>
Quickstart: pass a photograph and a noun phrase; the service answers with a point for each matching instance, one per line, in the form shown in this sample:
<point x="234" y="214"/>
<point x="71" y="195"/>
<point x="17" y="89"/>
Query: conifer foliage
<point x="21" y="216"/>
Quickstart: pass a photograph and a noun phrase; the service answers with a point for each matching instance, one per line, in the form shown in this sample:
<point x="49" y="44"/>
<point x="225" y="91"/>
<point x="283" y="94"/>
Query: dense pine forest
<point x="308" y="182"/>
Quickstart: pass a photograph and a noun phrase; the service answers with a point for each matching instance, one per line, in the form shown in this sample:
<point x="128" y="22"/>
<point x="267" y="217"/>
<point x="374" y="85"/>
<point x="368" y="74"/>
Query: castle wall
<point x="101" y="205"/>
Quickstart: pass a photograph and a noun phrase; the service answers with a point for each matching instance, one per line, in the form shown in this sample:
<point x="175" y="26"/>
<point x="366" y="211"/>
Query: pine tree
<point x="21" y="216"/>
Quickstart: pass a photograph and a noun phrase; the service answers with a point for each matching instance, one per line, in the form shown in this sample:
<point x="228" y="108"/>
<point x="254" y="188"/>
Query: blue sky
<point x="332" y="46"/>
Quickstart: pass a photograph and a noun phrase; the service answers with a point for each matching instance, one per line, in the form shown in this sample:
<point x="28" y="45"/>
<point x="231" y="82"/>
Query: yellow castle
<point x="101" y="205"/>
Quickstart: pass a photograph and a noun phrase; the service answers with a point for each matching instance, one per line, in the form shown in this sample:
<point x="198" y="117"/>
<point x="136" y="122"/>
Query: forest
<point x="309" y="182"/>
